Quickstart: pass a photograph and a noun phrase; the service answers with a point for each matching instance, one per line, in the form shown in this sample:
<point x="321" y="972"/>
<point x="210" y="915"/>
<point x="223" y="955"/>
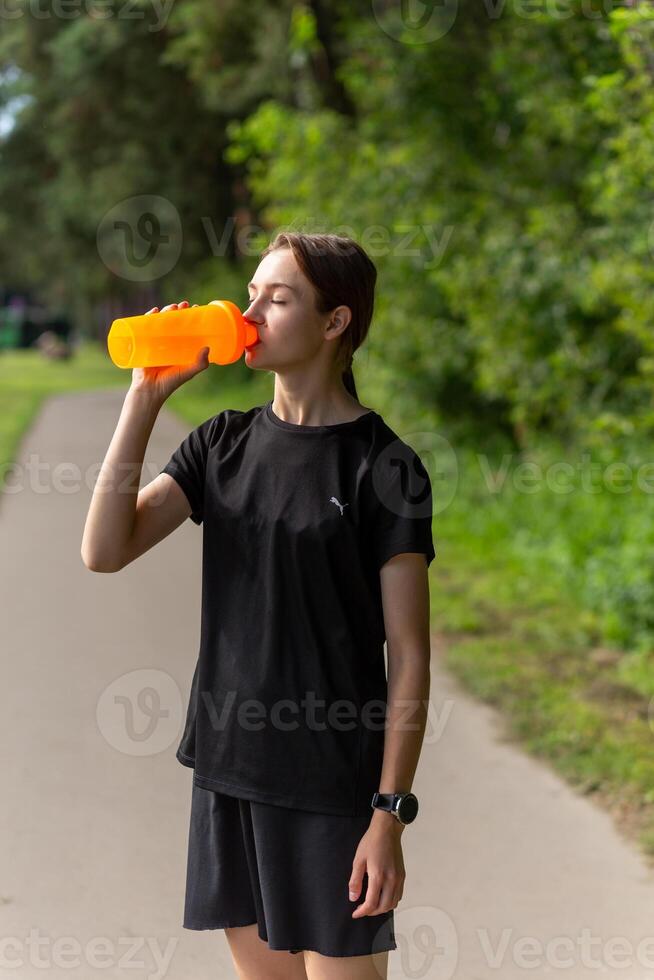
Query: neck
<point x="309" y="407"/>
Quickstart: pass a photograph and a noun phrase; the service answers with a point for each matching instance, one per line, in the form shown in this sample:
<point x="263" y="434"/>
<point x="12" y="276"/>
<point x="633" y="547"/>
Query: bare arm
<point x="122" y="523"/>
<point x="110" y="519"/>
<point x="405" y="599"/>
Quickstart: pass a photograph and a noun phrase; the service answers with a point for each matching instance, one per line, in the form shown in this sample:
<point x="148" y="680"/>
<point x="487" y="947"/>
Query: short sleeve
<point x="402" y="504"/>
<point x="187" y="466"/>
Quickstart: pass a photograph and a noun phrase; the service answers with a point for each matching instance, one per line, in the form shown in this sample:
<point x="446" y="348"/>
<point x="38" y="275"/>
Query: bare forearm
<point x="110" y="519"/>
<point x="406" y="720"/>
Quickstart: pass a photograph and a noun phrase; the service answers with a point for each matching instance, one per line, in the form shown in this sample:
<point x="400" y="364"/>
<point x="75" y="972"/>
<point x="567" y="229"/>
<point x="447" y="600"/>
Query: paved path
<point x="504" y="860"/>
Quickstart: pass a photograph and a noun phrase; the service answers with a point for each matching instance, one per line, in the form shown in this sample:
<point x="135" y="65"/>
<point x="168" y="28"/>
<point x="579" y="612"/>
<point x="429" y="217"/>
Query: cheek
<point x="291" y="330"/>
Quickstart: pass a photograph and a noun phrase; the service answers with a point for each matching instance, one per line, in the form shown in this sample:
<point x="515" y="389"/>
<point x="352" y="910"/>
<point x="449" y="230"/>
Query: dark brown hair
<point x="342" y="274"/>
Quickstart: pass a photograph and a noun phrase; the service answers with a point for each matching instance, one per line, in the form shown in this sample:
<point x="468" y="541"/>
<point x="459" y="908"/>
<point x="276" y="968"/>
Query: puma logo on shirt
<point x="342" y="507"/>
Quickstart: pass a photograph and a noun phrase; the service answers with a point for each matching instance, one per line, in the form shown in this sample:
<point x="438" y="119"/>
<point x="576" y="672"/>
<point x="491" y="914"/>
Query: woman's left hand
<point x="380" y="855"/>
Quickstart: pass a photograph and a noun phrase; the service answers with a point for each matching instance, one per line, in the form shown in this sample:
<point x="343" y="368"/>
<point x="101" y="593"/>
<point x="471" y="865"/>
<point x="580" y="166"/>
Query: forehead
<point x="279" y="266"/>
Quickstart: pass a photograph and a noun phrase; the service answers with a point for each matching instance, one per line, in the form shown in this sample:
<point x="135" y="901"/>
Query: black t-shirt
<point x="288" y="698"/>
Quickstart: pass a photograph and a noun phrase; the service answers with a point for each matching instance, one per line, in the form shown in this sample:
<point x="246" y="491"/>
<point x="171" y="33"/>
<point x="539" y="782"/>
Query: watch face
<point x="408" y="808"/>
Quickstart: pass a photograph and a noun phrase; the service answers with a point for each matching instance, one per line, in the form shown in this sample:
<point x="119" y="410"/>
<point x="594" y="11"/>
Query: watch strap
<point x="384" y="801"/>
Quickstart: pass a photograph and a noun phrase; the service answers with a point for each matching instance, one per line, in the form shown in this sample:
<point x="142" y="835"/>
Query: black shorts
<point x="285" y="870"/>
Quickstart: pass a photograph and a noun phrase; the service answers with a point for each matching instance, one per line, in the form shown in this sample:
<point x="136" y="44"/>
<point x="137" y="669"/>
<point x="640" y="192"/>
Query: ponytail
<point x="348" y="381"/>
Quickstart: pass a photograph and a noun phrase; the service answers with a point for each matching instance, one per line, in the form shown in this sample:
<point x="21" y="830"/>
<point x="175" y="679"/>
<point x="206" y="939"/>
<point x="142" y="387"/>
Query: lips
<point x="251" y="329"/>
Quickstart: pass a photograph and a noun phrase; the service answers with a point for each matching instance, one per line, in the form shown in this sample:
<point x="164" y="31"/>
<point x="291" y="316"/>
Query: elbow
<point x="99" y="566"/>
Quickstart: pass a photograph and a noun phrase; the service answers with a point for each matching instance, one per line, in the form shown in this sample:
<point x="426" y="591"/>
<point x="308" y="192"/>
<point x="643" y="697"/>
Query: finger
<point x="382" y="903"/>
<point x="155" y="309"/>
<point x="200" y="364"/>
<point x="356" y="879"/>
<point x="171" y="306"/>
<point x="372" y="896"/>
<point x="195" y="304"/>
<point x="184" y="302"/>
<point x="388" y="896"/>
<point x="385" y="896"/>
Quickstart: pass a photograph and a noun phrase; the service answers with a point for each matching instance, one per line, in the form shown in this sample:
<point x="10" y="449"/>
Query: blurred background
<point x="495" y="159"/>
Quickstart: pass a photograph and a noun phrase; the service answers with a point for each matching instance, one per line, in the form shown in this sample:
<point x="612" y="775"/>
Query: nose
<point x="251" y="317"/>
<point x="251" y="313"/>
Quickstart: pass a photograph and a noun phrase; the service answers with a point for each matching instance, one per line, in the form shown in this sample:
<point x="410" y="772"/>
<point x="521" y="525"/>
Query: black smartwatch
<point x="403" y="806"/>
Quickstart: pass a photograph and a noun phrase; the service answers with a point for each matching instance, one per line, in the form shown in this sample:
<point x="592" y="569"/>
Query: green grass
<point x="545" y="600"/>
<point x="27" y="378"/>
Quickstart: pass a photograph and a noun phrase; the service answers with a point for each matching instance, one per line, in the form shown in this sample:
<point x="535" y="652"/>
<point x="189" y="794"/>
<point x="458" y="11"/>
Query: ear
<point x="340" y="318"/>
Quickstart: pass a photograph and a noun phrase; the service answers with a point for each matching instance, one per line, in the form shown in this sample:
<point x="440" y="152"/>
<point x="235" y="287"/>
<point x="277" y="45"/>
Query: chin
<point x="252" y="359"/>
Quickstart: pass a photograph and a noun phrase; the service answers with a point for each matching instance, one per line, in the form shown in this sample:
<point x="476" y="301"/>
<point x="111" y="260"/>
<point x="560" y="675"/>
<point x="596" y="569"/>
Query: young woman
<point x="316" y="544"/>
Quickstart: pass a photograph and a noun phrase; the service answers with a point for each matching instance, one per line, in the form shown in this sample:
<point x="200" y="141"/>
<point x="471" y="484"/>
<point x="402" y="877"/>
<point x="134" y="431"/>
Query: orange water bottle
<point x="175" y="337"/>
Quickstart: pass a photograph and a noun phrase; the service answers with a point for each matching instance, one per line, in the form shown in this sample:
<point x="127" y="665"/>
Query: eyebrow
<point x="271" y="284"/>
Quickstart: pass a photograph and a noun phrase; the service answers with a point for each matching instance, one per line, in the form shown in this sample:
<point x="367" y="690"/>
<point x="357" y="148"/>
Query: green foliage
<point x="530" y="304"/>
<point x="499" y="177"/>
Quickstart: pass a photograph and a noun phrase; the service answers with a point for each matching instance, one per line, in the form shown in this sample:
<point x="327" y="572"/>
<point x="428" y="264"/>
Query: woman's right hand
<point x="160" y="382"/>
